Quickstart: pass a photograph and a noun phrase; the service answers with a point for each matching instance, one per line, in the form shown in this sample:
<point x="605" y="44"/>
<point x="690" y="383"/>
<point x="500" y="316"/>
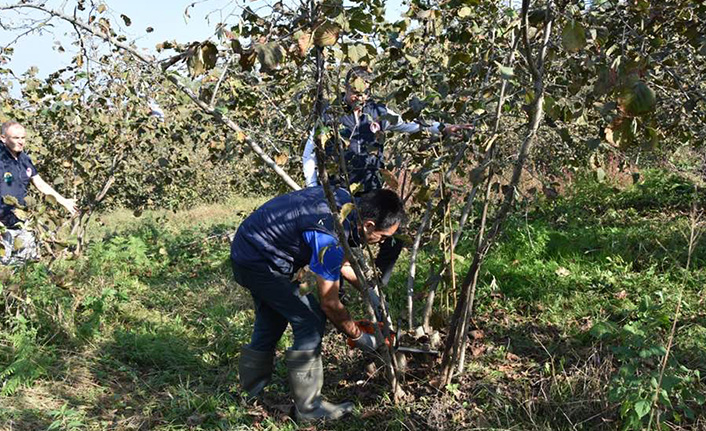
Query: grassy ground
<point x="573" y="318"/>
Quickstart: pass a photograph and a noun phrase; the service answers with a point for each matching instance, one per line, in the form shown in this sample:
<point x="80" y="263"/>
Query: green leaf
<point x="326" y="34"/>
<point x="126" y="19"/>
<point x="506" y="72"/>
<point x="405" y="238"/>
<point x="573" y="37"/>
<point x="460" y="58"/>
<point x="361" y="21"/>
<point x="202" y="58"/>
<point x="603" y="329"/>
<point x="642" y="407"/>
<point x="639" y="99"/>
<point x="600" y="175"/>
<point x="356" y="53"/>
<point x="18" y="244"/>
<point x="332" y="8"/>
<point x="270" y="55"/>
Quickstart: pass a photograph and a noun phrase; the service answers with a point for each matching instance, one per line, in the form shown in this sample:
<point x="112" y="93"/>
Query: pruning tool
<point x="391" y="341"/>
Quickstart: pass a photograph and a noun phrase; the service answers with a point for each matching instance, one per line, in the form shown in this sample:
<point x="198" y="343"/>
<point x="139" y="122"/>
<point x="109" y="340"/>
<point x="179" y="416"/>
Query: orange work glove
<point x="367" y="327"/>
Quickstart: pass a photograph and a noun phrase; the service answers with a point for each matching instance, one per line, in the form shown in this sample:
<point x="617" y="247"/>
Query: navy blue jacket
<point x="364" y="152"/>
<point x="271" y="237"/>
<point x="16" y="174"/>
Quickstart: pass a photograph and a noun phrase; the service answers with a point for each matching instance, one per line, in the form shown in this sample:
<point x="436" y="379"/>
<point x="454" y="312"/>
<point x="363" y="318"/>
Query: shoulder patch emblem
<point x="29" y="172"/>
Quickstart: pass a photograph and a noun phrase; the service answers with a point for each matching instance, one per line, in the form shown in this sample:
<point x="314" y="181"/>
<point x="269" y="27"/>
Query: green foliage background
<point x="576" y="301"/>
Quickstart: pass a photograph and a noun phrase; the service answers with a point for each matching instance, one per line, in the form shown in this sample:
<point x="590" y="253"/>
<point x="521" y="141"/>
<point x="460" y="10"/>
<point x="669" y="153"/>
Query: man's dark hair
<point x="383" y="207"/>
<point x="360" y="72"/>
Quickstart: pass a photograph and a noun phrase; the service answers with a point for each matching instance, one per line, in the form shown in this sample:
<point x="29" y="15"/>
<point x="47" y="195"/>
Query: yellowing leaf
<point x="355" y="187"/>
<point x="304" y="42"/>
<point x="247" y="60"/>
<point x="358" y="84"/>
<point x="11" y="200"/>
<point x="281" y="159"/>
<point x="562" y="272"/>
<point x="18" y="244"/>
<point x="209" y="55"/>
<point x="195" y="63"/>
<point x="22" y="215"/>
<point x="356" y="53"/>
<point x="346" y="209"/>
<point x="609" y="136"/>
<point x="389" y="179"/>
<point x="322" y="252"/>
<point x="464" y="12"/>
<point x="326" y="34"/>
<point x="51" y="199"/>
<point x="101" y="8"/>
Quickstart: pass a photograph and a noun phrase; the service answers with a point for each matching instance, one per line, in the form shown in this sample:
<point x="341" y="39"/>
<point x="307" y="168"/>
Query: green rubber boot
<point x="255" y="370"/>
<point x="306" y="377"/>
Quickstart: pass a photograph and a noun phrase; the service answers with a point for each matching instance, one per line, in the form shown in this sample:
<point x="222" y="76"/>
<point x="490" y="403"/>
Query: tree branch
<point x="172" y="77"/>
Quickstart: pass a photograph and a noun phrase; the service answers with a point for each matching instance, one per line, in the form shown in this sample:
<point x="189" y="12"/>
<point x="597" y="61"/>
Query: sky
<point x="166" y="17"/>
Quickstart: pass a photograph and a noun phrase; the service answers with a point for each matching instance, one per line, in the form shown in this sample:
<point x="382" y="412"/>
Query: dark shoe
<point x="306" y="377"/>
<point x="255" y="370"/>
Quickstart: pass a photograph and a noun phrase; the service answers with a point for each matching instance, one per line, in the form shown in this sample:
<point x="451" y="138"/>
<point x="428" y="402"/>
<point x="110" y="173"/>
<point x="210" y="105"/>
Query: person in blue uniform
<point x="18" y="172"/>
<point x="271" y="245"/>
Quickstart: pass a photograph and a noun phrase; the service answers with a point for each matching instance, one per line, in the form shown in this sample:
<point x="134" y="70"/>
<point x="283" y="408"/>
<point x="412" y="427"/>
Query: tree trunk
<point x="455" y="340"/>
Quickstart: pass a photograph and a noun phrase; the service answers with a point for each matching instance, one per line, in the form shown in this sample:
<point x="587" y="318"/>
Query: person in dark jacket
<point x="18" y="172"/>
<point x="360" y="128"/>
<point x="271" y="245"/>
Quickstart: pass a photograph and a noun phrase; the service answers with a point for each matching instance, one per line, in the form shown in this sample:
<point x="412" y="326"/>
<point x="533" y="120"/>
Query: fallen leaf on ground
<point x="512" y="357"/>
<point x="477" y="334"/>
<point x="477" y="350"/>
<point x="562" y="272"/>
